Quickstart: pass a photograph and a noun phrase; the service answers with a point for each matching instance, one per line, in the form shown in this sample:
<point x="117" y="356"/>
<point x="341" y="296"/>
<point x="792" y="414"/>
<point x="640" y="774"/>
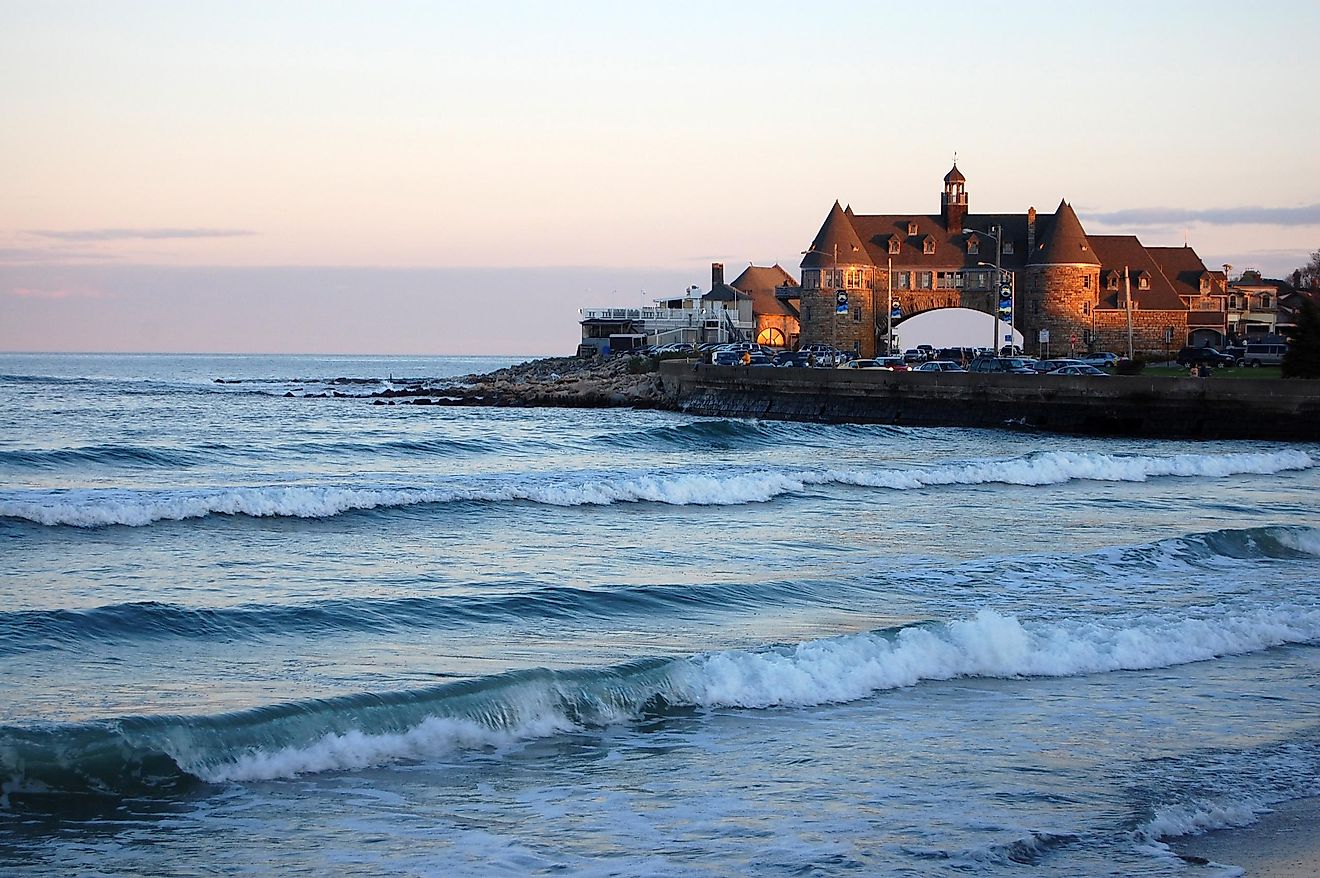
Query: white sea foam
<point x="1307" y="540"/>
<point x="1201" y="817"/>
<point x="832" y="670"/>
<point x="432" y="737"/>
<point x="99" y="508"/>
<point x="988" y="645"/>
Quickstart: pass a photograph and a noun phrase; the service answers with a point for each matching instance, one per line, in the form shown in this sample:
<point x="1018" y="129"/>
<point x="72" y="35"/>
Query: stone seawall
<point x="1184" y="408"/>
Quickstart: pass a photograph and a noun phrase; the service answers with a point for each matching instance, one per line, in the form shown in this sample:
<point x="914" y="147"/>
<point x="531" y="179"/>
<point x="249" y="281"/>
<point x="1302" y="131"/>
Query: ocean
<point x="249" y="630"/>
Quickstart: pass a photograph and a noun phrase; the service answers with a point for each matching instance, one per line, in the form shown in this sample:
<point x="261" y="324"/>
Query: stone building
<point x="1068" y="290"/>
<point x="773" y="294"/>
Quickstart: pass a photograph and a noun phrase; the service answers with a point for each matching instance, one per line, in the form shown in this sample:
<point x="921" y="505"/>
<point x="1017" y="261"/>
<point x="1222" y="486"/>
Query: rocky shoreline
<point x="566" y="382"/>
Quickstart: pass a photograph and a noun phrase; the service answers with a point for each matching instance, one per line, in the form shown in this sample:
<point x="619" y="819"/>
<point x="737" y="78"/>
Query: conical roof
<point x="954" y="175"/>
<point x="1066" y="243"/>
<point x="836" y="232"/>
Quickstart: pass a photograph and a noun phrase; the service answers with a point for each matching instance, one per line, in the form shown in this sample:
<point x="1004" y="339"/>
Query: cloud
<point x="1307" y="215"/>
<point x="48" y="254"/>
<point x="137" y="234"/>
<point x="57" y="293"/>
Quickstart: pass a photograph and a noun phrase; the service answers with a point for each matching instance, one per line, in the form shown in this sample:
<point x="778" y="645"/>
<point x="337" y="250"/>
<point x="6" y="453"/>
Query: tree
<point x="1302" y="359"/>
<point x="1308" y="276"/>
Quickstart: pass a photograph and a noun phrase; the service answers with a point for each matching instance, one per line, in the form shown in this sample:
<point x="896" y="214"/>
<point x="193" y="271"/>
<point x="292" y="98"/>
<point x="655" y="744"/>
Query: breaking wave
<point x="156" y="755"/>
<point x="103" y="507"/>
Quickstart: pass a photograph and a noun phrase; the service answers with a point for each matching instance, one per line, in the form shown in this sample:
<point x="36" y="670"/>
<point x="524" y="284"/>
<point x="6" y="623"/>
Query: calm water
<point x="245" y="634"/>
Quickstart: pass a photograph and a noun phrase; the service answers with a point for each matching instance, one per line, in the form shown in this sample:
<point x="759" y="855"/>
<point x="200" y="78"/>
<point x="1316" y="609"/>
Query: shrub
<point x="1302" y="359"/>
<point x="1130" y="367"/>
<point x="641" y="365"/>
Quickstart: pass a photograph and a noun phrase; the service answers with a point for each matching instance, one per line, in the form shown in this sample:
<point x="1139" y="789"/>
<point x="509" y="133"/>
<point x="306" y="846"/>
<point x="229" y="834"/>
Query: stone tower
<point x="953" y="202"/>
<point x="837" y="293"/>
<point x="1062" y="283"/>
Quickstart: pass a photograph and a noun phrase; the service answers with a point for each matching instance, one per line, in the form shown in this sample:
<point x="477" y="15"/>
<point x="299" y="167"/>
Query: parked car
<point x="1005" y="365"/>
<point x="792" y="358"/>
<point x="1079" y="369"/>
<point x="1205" y="356"/>
<point x="1263" y="354"/>
<point x="1101" y="360"/>
<point x="912" y="355"/>
<point x="865" y="364"/>
<point x="1044" y="366"/>
<point x="939" y="366"/>
<point x="893" y="364"/>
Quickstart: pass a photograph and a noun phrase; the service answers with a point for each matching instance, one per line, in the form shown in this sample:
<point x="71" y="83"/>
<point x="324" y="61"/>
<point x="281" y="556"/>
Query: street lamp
<point x="1000" y="272"/>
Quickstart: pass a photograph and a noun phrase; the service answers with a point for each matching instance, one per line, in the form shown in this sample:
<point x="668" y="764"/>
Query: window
<point x="973" y="245"/>
<point x="857" y="314"/>
<point x="924" y="280"/>
<point x="1086" y="308"/>
<point x="1265" y="301"/>
<point x="810" y="280"/>
<point x="949" y="280"/>
<point x="806" y="313"/>
<point x="1086" y="282"/>
<point x="928" y="245"/>
<point x="912" y="228"/>
<point x="1008" y="248"/>
<point x="903" y="280"/>
<point x="1113" y="282"/>
<point x="893" y="245"/>
<point x="1143" y="283"/>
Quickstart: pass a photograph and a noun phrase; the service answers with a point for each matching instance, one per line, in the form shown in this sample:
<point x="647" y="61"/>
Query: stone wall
<point x="1188" y="408"/>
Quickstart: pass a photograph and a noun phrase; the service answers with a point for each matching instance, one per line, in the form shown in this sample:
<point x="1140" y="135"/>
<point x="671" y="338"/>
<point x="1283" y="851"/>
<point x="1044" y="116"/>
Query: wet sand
<point x="1283" y="844"/>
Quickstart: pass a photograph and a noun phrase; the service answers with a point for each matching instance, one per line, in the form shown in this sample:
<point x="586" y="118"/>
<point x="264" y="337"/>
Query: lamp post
<point x="1000" y="273"/>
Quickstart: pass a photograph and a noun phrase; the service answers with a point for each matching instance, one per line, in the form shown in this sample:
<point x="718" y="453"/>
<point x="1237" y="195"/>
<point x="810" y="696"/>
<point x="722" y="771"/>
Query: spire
<point x="953" y="201"/>
<point x="837" y="231"/>
<point x="1066" y="243"/>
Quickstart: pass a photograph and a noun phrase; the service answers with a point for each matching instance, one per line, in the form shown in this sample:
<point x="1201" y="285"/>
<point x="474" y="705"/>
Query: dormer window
<point x="1205" y="285"/>
<point x="893" y="245"/>
<point x="1265" y="301"/>
<point x="1008" y="248"/>
<point x="973" y="245"/>
<point x="928" y="245"/>
<point x="1143" y="282"/>
<point x="1111" y="281"/>
<point x="912" y="227"/>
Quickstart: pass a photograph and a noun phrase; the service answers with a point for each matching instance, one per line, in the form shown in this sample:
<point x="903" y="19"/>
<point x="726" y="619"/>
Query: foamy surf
<point x="361" y="731"/>
<point x="105" y="507"/>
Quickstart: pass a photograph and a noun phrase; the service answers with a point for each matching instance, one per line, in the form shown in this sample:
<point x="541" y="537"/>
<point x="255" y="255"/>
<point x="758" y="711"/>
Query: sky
<point x="431" y="177"/>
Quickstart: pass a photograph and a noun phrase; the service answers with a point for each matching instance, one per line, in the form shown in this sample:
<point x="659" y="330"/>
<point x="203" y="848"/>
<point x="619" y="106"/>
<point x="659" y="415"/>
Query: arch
<point x="948" y="327"/>
<point x="1203" y="337"/>
<point x="771" y="336"/>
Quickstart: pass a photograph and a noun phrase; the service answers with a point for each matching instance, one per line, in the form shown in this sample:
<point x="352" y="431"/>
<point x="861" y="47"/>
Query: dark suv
<point x="1006" y="365"/>
<point x="1204" y="357"/>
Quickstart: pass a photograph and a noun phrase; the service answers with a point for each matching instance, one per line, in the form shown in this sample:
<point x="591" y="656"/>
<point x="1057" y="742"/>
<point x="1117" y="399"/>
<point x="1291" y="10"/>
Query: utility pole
<point x="889" y="294"/>
<point x="1127" y="286"/>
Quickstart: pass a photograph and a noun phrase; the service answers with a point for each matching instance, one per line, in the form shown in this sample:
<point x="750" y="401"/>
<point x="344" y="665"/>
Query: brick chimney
<point x="716" y="275"/>
<point x="1031" y="231"/>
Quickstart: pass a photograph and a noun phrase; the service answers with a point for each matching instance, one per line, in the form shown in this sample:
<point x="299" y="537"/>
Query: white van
<point x="1263" y="354"/>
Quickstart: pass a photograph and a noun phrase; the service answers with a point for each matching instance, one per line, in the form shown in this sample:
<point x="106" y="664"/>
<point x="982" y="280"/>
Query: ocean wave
<point x="135" y="754"/>
<point x="34" y="630"/>
<point x="99" y="508"/>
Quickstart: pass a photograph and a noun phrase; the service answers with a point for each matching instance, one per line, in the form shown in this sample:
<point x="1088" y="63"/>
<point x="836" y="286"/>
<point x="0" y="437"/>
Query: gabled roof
<point x="836" y="243"/>
<point x="1118" y="252"/>
<point x="1066" y="243"/>
<point x="1182" y="267"/>
<point x="723" y="293"/>
<point x="759" y="282"/>
<point x="876" y="231"/>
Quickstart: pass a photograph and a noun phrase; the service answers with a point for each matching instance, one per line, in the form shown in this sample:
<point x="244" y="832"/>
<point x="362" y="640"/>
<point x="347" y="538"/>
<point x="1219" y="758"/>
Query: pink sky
<point x="436" y="178"/>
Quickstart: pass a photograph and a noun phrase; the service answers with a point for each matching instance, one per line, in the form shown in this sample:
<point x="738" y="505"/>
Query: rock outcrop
<point x="567" y="382"/>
